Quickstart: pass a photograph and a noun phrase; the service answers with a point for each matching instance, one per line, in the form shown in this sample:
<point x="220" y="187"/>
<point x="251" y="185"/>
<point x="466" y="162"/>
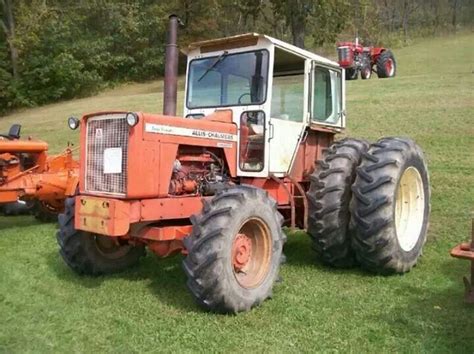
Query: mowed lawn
<point x="45" y="307"/>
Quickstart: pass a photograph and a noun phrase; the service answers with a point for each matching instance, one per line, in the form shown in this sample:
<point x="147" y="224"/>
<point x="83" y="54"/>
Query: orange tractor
<point x="29" y="175"/>
<point x="254" y="151"/>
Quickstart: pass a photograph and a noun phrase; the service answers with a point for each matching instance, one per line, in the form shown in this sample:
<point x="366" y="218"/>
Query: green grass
<point x="45" y="307"/>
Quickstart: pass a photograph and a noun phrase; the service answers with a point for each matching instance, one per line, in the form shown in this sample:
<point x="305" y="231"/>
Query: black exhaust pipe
<point x="170" y="89"/>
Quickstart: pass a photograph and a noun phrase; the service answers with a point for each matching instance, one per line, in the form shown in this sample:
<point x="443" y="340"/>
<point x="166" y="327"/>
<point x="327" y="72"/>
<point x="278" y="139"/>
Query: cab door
<point x="289" y="118"/>
<point x="327" y="96"/>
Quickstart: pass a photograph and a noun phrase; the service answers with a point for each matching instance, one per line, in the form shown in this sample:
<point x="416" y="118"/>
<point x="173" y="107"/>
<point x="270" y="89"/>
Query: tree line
<point x="59" y="49"/>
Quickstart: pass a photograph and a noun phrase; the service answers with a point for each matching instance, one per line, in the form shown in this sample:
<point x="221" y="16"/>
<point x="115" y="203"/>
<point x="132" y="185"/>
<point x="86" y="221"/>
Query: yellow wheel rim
<point x="252" y="253"/>
<point x="409" y="209"/>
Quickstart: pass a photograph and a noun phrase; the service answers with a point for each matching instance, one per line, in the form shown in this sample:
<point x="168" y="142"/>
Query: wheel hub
<point x="389" y="67"/>
<point x="409" y="208"/>
<point x="242" y="252"/>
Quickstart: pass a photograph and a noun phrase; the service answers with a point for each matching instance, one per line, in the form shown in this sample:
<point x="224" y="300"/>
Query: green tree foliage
<point x="322" y="20"/>
<point x="59" y="49"/>
<point x="69" y="49"/>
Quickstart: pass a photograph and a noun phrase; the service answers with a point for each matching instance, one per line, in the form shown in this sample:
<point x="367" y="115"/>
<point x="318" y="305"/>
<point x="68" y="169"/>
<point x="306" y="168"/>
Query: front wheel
<point x="47" y="211"/>
<point x="92" y="254"/>
<point x="234" y="250"/>
<point x="352" y="74"/>
<point x="390" y="206"/>
<point x="366" y="72"/>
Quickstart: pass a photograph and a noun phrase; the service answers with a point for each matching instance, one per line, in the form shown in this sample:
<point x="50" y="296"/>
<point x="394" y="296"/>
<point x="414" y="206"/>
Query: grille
<point x="107" y="154"/>
<point x="343" y="53"/>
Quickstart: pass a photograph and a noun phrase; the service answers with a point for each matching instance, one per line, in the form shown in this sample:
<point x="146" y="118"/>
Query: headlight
<point x="73" y="123"/>
<point x="132" y="119"/>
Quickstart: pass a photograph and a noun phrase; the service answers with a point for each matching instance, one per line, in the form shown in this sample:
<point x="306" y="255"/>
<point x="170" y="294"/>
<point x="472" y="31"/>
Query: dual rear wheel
<point x="374" y="210"/>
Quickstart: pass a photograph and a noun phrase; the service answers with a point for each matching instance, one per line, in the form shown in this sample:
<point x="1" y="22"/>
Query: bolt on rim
<point x="251" y="253"/>
<point x="409" y="208"/>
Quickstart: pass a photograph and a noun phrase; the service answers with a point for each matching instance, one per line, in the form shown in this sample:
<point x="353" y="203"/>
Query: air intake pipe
<point x="170" y="90"/>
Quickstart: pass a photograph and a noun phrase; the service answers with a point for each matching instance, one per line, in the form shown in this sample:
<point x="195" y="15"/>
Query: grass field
<point x="45" y="307"/>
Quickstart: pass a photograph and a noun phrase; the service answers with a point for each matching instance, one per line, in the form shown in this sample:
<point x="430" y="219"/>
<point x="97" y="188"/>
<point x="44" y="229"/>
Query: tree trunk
<point x="406" y="13"/>
<point x="454" y="18"/>
<point x="297" y="28"/>
<point x="436" y="6"/>
<point x="10" y="29"/>
<point x="298" y="36"/>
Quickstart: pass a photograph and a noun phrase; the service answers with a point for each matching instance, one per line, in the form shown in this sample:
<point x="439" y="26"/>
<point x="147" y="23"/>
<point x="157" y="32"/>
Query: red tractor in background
<point x="354" y="57"/>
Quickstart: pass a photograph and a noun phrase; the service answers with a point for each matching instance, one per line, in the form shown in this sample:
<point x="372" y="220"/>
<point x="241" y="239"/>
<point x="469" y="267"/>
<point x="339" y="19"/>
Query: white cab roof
<point x="241" y="39"/>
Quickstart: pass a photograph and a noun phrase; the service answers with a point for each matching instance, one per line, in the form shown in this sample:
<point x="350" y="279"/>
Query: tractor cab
<point x="277" y="93"/>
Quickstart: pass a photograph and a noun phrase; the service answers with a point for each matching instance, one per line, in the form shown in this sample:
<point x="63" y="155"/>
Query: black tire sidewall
<point x="79" y="249"/>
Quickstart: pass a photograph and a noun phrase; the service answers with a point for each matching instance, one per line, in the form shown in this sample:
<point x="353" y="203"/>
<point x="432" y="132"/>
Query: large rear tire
<point x="390" y="206"/>
<point x="92" y="254"/>
<point x="234" y="250"/>
<point x="329" y="196"/>
<point x="386" y="65"/>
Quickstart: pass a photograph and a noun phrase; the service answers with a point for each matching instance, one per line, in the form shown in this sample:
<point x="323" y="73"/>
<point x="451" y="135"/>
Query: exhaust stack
<point x="170" y="89"/>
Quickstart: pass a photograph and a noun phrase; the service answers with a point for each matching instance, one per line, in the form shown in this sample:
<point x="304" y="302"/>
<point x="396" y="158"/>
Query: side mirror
<point x="14" y="131"/>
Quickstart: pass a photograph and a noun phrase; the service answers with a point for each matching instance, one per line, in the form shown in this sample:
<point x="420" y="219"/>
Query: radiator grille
<point x="344" y="54"/>
<point x="107" y="154"/>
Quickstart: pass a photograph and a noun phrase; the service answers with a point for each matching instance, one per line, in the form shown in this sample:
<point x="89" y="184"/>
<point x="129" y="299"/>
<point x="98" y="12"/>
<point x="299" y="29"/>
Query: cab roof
<point x="250" y="39"/>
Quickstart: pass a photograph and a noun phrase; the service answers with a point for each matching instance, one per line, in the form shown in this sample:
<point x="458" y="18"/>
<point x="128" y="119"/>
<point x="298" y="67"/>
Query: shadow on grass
<point x="298" y="252"/>
<point x="167" y="281"/>
<point x="438" y="314"/>
<point x="165" y="278"/>
<point x="10" y="222"/>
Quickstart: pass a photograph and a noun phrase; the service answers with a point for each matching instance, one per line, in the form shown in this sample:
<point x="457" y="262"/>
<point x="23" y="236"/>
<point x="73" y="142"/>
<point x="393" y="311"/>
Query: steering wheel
<point x="242" y="96"/>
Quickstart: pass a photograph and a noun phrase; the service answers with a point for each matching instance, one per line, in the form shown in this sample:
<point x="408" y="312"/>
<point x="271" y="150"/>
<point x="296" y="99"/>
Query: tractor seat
<point x="13" y="133"/>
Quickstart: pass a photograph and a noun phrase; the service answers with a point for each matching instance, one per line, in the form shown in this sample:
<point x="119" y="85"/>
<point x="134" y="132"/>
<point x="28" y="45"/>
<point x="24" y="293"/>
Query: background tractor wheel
<point x="386" y="65"/>
<point x="390" y="206"/>
<point x="47" y="211"/>
<point x="16" y="208"/>
<point x="234" y="250"/>
<point x="352" y="74"/>
<point x="366" y="72"/>
<point x="92" y="254"/>
<point x="329" y="196"/>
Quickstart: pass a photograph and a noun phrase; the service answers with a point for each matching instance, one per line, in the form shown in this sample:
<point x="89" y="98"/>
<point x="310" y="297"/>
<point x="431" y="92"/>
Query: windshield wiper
<point x="218" y="60"/>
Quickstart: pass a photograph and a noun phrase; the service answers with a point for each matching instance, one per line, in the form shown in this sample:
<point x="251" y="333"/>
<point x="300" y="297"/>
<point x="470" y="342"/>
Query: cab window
<point x="288" y="97"/>
<point x="326" y="103"/>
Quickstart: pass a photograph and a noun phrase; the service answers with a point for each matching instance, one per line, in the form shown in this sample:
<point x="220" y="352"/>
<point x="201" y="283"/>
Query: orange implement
<point x="466" y="251"/>
<point x="28" y="173"/>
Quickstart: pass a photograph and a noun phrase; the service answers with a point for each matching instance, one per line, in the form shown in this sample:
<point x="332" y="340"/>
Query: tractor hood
<point x="111" y="149"/>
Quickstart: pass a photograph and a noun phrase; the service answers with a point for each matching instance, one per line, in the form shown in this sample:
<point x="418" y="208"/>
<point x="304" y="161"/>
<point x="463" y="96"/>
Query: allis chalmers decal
<point x="195" y="133"/>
